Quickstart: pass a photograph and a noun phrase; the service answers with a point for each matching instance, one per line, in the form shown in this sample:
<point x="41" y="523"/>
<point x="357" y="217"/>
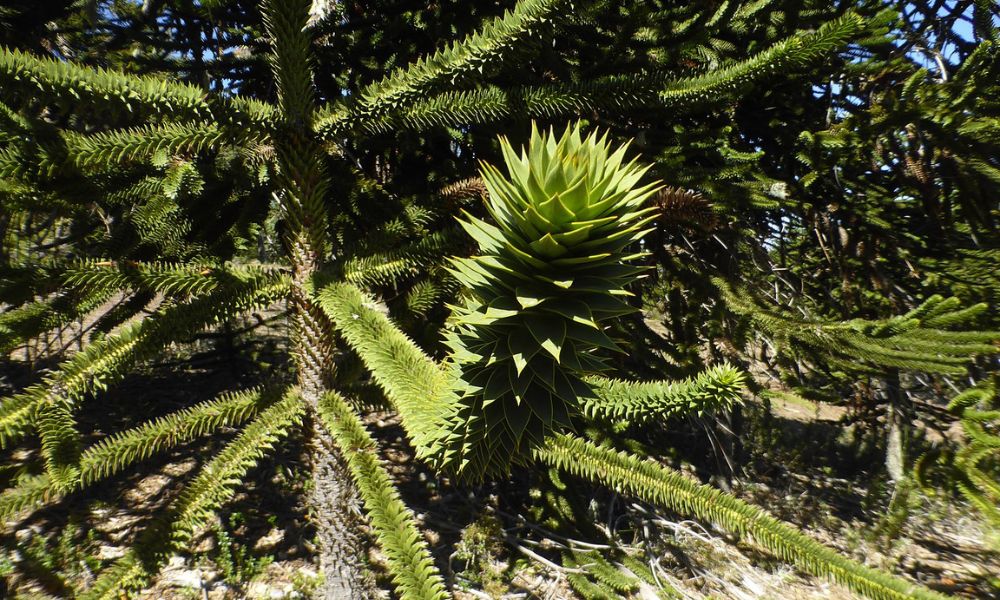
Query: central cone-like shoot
<point x="552" y="269"/>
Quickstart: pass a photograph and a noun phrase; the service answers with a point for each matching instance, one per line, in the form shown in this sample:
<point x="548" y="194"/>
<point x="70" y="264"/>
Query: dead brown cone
<point x="464" y="189"/>
<point x="686" y="207"/>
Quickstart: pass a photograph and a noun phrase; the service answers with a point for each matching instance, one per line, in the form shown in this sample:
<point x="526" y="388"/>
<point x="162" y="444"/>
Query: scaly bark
<point x="334" y="505"/>
<point x="333" y="500"/>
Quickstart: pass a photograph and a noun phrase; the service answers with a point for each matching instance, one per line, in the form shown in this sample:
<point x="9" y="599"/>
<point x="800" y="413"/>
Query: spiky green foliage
<point x="403" y="371"/>
<point x="410" y="563"/>
<point x="931" y="338"/>
<point x="49" y="406"/>
<point x="300" y="157"/>
<point x="604" y="579"/>
<point x="409" y="377"/>
<point x="551" y="272"/>
<point x="402" y="256"/>
<point x="303" y="173"/>
<point x="171" y="279"/>
<point x="116" y="148"/>
<point x="83" y="285"/>
<point x="211" y="488"/>
<point x="404" y="86"/>
<point x="394" y="266"/>
<point x="418" y="388"/>
<point x="110" y="359"/>
<point x="612" y="93"/>
<point x="193" y="186"/>
<point x="972" y="467"/>
<point x="20" y="324"/>
<point x="68" y="154"/>
<point x="125" y="448"/>
<point x="117" y="91"/>
<point x="112" y="454"/>
<point x="643" y="571"/>
<point x="470" y="54"/>
<point x="789" y="53"/>
<point x="971" y="273"/>
<point x="659" y="485"/>
<point x="715" y="389"/>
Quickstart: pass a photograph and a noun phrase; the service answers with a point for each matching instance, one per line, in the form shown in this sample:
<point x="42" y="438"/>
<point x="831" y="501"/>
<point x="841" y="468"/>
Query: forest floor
<point x="485" y="539"/>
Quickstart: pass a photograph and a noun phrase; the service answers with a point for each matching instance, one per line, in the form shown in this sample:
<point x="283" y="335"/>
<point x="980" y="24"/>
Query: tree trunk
<point x="332" y="500"/>
<point x="899" y="417"/>
<point x="302" y="169"/>
<point x="334" y="511"/>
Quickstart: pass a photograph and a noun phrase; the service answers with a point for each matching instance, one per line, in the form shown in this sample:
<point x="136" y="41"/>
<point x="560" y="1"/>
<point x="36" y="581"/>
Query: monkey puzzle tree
<point x="524" y="367"/>
<point x="528" y="343"/>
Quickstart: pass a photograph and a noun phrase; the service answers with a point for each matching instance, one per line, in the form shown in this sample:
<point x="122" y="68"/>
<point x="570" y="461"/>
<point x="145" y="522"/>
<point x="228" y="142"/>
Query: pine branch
<point x="602" y="580"/>
<point x="111" y="149"/>
<point x="13" y="126"/>
<point x="109" y="360"/>
<point x="105" y="90"/>
<point x="449" y="64"/>
<point x="213" y="486"/>
<point x="717" y="388"/>
<point x="969" y="272"/>
<point x="87" y="283"/>
<point x="645" y="573"/>
<point x="490" y="103"/>
<point x="160" y="221"/>
<point x="664" y="487"/>
<point x="69" y="153"/>
<point x="394" y="266"/>
<point x="428" y="293"/>
<point x="614" y="94"/>
<point x="125" y="448"/>
<point x="797" y="51"/>
<point x="121" y="449"/>
<point x="409" y="560"/>
<point x="911" y="341"/>
<point x="28" y="493"/>
<point x="172" y="279"/>
<point x="60" y="440"/>
<point x="977" y="407"/>
<point x="419" y="390"/>
<point x="137" y="194"/>
<point x="24" y="323"/>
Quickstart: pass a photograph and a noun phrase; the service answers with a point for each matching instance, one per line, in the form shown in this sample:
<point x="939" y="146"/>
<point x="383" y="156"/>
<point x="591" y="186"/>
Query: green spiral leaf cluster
<point x="552" y="270"/>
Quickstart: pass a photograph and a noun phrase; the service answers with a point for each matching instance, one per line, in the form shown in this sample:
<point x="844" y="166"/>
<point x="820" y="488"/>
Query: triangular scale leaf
<point x="574" y="310"/>
<point x="529" y="298"/>
<point x="549" y="332"/>
<point x="591" y="337"/>
<point x="522" y="347"/>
